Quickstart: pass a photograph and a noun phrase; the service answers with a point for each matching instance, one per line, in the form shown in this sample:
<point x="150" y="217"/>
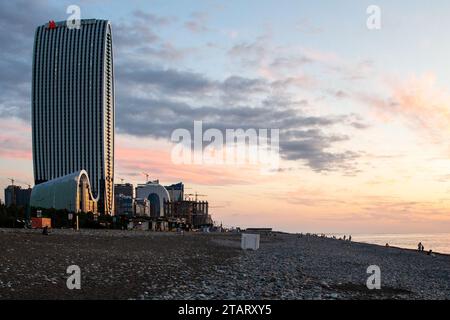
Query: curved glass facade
<point x="71" y="192"/>
<point x="73" y="105"/>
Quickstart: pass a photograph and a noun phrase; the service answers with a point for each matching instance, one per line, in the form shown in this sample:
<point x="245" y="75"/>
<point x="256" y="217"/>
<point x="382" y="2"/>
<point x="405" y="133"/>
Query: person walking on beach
<point x="350" y="238"/>
<point x="420" y="246"/>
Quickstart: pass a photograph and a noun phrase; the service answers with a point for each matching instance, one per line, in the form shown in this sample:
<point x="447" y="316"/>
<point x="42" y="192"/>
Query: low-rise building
<point x="124" y="205"/>
<point x="71" y="192"/>
<point x="194" y="213"/>
<point x="125" y="189"/>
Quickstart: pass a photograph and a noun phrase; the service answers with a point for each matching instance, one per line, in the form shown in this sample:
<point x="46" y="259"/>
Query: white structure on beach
<point x="250" y="241"/>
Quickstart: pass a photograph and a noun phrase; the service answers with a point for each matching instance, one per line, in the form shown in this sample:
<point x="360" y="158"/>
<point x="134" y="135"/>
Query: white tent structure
<point x="71" y="192"/>
<point x="156" y="194"/>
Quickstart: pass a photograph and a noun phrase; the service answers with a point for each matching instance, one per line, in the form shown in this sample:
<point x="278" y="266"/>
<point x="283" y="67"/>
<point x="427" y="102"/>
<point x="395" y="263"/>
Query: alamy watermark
<point x="235" y="147"/>
<point x="74" y="20"/>
<point x="374" y="20"/>
<point x="374" y="281"/>
<point x="74" y="279"/>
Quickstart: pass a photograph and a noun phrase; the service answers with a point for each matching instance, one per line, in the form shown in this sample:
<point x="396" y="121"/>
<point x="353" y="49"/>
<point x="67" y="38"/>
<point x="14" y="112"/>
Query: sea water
<point x="438" y="242"/>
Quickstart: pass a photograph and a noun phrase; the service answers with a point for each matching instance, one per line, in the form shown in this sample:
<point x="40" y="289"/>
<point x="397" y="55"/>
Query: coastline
<point x="149" y="265"/>
<point x="356" y="240"/>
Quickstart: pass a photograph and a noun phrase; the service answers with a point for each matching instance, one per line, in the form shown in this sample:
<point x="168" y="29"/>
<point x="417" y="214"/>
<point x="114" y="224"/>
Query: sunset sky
<point x="363" y="114"/>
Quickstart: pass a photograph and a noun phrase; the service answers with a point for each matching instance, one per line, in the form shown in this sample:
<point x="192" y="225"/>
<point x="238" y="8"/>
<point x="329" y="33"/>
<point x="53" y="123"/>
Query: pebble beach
<point x="118" y="264"/>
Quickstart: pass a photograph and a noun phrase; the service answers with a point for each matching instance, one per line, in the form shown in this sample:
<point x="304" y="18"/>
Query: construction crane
<point x="146" y="176"/>
<point x="14" y="182"/>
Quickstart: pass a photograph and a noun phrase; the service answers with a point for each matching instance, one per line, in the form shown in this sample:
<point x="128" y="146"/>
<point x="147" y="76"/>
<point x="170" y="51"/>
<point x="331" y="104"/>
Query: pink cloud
<point x="15" y="140"/>
<point x="419" y="101"/>
<point x="132" y="161"/>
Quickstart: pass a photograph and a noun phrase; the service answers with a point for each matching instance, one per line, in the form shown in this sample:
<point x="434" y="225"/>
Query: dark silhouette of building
<point x="124" y="205"/>
<point x="194" y="213"/>
<point x="125" y="189"/>
<point x="15" y="195"/>
<point x="176" y="191"/>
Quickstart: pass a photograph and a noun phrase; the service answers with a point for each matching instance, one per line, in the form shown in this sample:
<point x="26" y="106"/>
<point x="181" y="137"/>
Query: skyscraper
<point x="73" y="105"/>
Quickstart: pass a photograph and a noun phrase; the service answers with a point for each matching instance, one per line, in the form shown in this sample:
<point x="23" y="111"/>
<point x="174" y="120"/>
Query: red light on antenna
<point x="51" y="24"/>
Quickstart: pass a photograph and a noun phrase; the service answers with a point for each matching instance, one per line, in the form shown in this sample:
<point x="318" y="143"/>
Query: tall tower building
<point x="73" y="105"/>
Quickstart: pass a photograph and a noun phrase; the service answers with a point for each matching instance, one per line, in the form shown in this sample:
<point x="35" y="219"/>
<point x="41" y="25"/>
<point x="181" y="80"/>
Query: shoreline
<point x="329" y="236"/>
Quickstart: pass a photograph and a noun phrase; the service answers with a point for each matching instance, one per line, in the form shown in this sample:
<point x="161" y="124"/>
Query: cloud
<point x="198" y="22"/>
<point x="311" y="145"/>
<point x="163" y="80"/>
<point x="132" y="161"/>
<point x="302" y="136"/>
<point x="153" y="19"/>
<point x="305" y="26"/>
<point x="419" y="102"/>
<point x="274" y="61"/>
<point x="14" y="144"/>
<point x="137" y="39"/>
<point x="152" y="99"/>
<point x="17" y="26"/>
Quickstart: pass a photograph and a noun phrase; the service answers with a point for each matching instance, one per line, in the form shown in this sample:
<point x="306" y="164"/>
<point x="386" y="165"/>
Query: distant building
<point x="156" y="194"/>
<point x="124" y="205"/>
<point x="125" y="189"/>
<point x="23" y="197"/>
<point x="142" y="207"/>
<point x="123" y="199"/>
<point x="15" y="195"/>
<point x="194" y="213"/>
<point x="10" y="195"/>
<point x="176" y="191"/>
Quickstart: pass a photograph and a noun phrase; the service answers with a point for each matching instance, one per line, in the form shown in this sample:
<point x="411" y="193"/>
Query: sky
<point x="363" y="114"/>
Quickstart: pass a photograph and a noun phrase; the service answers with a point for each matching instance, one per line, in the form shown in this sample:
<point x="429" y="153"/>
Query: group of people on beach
<point x="323" y="235"/>
<point x="421" y="248"/>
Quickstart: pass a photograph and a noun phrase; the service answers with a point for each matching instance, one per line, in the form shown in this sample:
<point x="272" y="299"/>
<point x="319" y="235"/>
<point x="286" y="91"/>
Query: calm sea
<point x="438" y="242"/>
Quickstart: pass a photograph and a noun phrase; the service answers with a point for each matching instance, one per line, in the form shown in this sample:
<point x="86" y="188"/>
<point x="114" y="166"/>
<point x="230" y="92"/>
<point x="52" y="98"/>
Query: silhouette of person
<point x="421" y="247"/>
